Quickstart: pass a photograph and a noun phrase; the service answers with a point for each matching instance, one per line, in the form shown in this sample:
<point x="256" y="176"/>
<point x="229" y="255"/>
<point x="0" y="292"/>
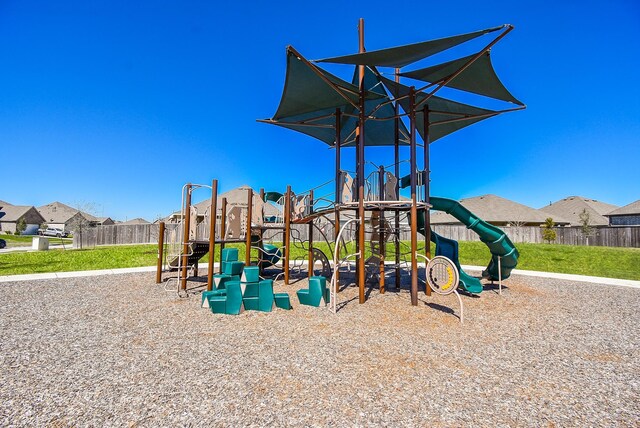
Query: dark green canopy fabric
<point x="446" y="116"/>
<point x="309" y="103"/>
<point x="479" y="77"/>
<point x="379" y="128"/>
<point x="305" y="91"/>
<point x="401" y="56"/>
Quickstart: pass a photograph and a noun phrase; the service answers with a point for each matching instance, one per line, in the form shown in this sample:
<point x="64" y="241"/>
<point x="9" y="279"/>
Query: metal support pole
<point x="261" y="252"/>
<point x="381" y="230"/>
<point x="160" y="253"/>
<point x="427" y="188"/>
<point x="287" y="234"/>
<point x="414" y="211"/>
<point x="360" y="171"/>
<point x="397" y="174"/>
<point x="336" y="271"/>
<point x="185" y="237"/>
<point x="500" y="275"/>
<point x="223" y="228"/>
<point x="212" y="233"/>
<point x="310" y="253"/>
<point x="247" y="251"/>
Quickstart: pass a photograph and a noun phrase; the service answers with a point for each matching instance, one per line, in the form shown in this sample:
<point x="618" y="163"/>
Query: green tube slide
<point x="498" y="242"/>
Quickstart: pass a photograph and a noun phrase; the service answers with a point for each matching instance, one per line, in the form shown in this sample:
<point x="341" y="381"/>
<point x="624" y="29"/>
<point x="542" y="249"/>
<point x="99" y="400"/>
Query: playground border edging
<point x="87" y="273"/>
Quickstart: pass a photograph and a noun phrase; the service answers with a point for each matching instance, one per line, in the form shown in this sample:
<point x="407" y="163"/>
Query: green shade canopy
<point x="445" y="116"/>
<point x="309" y="89"/>
<point x="401" y="56"/>
<point x="311" y="97"/>
<point x="479" y="77"/>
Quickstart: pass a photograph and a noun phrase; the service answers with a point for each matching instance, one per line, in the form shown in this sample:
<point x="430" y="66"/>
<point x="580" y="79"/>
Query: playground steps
<point x="197" y="249"/>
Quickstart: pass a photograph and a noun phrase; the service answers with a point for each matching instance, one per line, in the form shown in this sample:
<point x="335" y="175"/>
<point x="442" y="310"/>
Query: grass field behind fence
<point x="608" y="262"/>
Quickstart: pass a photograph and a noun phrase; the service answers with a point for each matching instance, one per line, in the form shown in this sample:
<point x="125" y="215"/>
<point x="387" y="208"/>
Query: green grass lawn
<point x="609" y="262"/>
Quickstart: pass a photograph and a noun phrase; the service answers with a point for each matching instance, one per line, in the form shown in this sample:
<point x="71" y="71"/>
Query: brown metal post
<point x="223" y="228"/>
<point x="338" y="175"/>
<point x="310" y="254"/>
<point x="397" y="173"/>
<point x="247" y="252"/>
<point x="185" y="237"/>
<point x="427" y="190"/>
<point x="360" y="171"/>
<point x="212" y="233"/>
<point x="287" y="233"/>
<point x="160" y="253"/>
<point x="381" y="230"/>
<point x="414" y="211"/>
<point x="261" y="232"/>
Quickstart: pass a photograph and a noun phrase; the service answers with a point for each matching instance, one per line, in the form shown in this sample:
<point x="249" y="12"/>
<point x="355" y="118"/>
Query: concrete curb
<point x="89" y="273"/>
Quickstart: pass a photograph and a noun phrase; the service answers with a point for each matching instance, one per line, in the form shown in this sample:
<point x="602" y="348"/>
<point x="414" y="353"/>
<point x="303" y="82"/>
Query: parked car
<point x="54" y="231"/>
<point x="3" y="243"/>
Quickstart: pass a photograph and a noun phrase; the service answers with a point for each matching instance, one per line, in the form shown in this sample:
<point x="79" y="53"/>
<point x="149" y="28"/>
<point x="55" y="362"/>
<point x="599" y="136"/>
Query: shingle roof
<point x="571" y="207"/>
<point x="12" y="213"/>
<point x="135" y="221"/>
<point x="632" y="208"/>
<point x="4" y="204"/>
<point x="495" y="209"/>
<point x="57" y="212"/>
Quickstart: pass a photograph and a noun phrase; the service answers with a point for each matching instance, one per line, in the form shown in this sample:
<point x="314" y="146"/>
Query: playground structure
<point x="363" y="205"/>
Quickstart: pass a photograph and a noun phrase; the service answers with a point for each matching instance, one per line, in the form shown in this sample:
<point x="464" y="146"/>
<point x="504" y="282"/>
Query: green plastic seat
<point x="250" y="274"/>
<point x="220" y="282"/>
<point x="250" y="295"/>
<point x="258" y="296"/>
<point x="232" y="268"/>
<point x="229" y="303"/>
<point x="208" y="294"/>
<point x="265" y="295"/>
<point x="228" y="255"/>
<point x="282" y="300"/>
<point x="316" y="292"/>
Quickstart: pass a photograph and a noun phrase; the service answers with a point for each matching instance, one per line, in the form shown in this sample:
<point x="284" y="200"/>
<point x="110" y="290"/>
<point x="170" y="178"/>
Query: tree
<point x="21" y="225"/>
<point x="585" y="224"/>
<point x="548" y="232"/>
<point x="79" y="222"/>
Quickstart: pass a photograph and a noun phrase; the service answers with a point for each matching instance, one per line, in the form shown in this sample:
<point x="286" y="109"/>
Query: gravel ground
<point x="117" y="350"/>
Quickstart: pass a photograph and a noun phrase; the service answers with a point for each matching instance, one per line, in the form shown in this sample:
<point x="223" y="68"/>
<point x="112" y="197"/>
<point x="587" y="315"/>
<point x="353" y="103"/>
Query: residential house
<point x="629" y="215"/>
<point x="104" y="221"/>
<point x="237" y="196"/>
<point x="499" y="212"/>
<point x="10" y="215"/>
<point x="571" y="207"/>
<point x="135" y="221"/>
<point x="57" y="214"/>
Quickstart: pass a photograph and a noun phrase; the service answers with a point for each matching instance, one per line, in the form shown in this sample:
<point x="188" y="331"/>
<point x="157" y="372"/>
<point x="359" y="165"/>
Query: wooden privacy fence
<point x="148" y="234"/>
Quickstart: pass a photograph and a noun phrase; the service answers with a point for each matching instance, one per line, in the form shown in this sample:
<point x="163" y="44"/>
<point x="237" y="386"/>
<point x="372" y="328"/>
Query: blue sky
<point x="118" y="104"/>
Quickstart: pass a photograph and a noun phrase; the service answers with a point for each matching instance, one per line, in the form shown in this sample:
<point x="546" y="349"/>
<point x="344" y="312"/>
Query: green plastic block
<point x="229" y="255"/>
<point x="282" y="300"/>
<point x="251" y="303"/>
<point x="251" y="274"/>
<point x="233" y="268"/>
<point x="207" y="294"/>
<point x="250" y="289"/>
<point x="265" y="297"/>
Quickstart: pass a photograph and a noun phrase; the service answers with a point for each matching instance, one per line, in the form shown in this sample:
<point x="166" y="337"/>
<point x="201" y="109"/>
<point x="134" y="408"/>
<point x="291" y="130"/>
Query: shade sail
<point x="445" y="116"/>
<point x="479" y="77"/>
<point x="309" y="102"/>
<point x="307" y="91"/>
<point x="401" y="56"/>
